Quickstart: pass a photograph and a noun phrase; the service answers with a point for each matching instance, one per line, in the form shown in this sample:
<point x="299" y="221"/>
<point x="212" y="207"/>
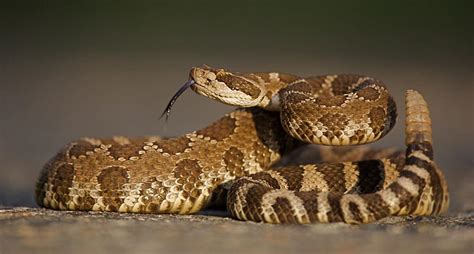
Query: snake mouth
<point x="181" y="90"/>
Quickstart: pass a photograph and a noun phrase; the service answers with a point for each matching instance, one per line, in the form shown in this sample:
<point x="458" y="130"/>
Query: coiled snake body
<point x="236" y="153"/>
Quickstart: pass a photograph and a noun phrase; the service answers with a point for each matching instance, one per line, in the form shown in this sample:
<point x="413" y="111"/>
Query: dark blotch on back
<point x="291" y="97"/>
<point x="234" y="161"/>
<point x="126" y="151"/>
<point x="307" y="86"/>
<point x="187" y="169"/>
<point x="364" y="84"/>
<point x="111" y="180"/>
<point x="330" y="100"/>
<point x="369" y="93"/>
<point x="305" y="89"/>
<point x="344" y="83"/>
<point x="220" y="129"/>
<point x="173" y="145"/>
<point x="80" y="147"/>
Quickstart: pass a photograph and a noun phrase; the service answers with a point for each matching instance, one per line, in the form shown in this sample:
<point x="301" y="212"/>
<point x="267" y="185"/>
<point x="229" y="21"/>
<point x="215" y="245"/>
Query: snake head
<point x="227" y="87"/>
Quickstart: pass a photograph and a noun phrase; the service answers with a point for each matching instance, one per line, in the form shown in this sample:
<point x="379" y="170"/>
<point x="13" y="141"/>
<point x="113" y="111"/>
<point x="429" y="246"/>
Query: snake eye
<point x="227" y="87"/>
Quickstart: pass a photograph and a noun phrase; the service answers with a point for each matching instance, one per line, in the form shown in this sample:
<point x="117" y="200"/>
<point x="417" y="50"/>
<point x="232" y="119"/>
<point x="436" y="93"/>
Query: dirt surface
<point x="31" y="230"/>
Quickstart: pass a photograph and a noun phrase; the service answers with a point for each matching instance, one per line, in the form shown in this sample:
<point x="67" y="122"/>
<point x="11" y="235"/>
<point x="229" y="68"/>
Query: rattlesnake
<point x="234" y="155"/>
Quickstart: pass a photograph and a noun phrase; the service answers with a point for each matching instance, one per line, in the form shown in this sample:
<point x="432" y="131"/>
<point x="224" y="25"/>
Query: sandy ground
<point x="28" y="230"/>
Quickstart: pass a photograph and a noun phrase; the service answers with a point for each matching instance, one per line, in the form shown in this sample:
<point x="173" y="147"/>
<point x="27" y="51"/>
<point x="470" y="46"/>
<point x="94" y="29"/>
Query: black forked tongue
<point x="175" y="97"/>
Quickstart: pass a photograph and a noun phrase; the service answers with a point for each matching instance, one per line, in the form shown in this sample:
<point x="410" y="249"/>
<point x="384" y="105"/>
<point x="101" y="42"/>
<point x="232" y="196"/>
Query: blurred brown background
<point x="109" y="67"/>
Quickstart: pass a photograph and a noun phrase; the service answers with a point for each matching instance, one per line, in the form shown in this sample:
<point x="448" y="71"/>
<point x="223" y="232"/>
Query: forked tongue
<point x="167" y="110"/>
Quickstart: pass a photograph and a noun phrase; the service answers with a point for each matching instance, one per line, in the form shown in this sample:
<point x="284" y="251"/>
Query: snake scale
<point x="233" y="156"/>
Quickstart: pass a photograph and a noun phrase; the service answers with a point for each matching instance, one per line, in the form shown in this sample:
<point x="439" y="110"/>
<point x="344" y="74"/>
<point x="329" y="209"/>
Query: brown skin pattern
<point x="418" y="188"/>
<point x="180" y="175"/>
<point x="161" y="176"/>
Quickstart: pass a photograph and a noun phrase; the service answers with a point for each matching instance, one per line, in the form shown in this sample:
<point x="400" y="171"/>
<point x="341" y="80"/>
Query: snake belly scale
<point x="278" y="113"/>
